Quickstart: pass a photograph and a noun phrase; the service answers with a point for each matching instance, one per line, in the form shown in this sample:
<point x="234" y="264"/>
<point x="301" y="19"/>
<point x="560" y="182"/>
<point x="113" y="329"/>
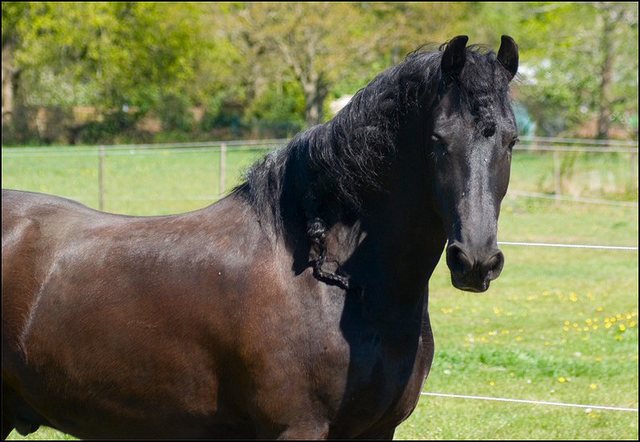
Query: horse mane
<point x="331" y="167"/>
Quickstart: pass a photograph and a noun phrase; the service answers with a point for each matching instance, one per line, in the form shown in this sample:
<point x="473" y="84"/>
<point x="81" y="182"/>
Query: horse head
<point x="470" y="142"/>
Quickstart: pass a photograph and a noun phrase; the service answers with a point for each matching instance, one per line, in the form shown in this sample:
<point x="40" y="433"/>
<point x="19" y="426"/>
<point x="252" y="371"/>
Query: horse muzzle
<point x="473" y="270"/>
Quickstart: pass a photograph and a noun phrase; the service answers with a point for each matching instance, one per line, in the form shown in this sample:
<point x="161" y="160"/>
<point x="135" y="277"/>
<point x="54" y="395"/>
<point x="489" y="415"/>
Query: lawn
<point x="559" y="325"/>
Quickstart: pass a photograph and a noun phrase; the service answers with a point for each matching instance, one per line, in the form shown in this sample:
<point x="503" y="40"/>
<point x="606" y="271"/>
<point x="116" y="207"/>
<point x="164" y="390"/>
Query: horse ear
<point x="508" y="55"/>
<point x="454" y="56"/>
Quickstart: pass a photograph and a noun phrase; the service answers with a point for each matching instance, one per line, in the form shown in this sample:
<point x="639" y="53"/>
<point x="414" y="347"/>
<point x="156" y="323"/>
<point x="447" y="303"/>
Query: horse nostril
<point x="457" y="259"/>
<point x="494" y="265"/>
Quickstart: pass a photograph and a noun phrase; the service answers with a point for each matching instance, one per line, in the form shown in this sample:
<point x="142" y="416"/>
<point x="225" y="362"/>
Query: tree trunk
<point x="606" y="72"/>
<point x="8" y="84"/>
<point x="315" y="93"/>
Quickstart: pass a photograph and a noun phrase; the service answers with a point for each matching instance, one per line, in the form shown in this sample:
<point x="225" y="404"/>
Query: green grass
<point x="608" y="175"/>
<point x="559" y="325"/>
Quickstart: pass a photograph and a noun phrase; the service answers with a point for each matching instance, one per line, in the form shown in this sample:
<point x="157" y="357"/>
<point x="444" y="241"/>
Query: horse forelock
<point x="484" y="86"/>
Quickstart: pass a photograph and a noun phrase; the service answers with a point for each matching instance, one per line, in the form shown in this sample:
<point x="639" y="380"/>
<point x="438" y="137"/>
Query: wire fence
<point x="530" y="401"/>
<point x="560" y="169"/>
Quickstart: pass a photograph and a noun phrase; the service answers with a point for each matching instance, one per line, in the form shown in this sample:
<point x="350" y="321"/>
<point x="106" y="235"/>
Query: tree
<point x="14" y="16"/>
<point x="106" y="55"/>
<point x="579" y="61"/>
<point x="314" y="43"/>
<point x="616" y="22"/>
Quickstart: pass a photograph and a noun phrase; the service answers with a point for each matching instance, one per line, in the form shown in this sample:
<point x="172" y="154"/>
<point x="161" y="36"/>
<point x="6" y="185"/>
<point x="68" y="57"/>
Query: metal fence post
<point x="634" y="171"/>
<point x="101" y="178"/>
<point x="557" y="174"/>
<point x="222" y="176"/>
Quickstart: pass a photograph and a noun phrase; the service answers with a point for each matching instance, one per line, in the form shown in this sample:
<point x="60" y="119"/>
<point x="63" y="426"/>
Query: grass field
<point x="559" y="325"/>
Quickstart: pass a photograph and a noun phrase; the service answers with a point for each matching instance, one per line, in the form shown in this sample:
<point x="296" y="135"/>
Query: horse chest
<point x="385" y="375"/>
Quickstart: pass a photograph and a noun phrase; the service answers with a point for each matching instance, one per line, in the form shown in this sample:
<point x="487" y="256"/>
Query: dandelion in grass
<point x="593" y="386"/>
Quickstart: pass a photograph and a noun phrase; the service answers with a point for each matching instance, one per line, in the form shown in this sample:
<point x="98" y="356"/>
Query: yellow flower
<point x="621" y="327"/>
<point x="593" y="386"/>
<point x="562" y="380"/>
<point x="599" y="309"/>
<point x="573" y="297"/>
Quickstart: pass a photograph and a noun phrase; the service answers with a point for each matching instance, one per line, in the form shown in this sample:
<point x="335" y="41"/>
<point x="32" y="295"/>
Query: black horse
<point x="296" y="307"/>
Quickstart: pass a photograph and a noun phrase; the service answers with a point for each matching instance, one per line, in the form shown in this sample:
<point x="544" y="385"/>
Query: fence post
<point x="634" y="171"/>
<point x="557" y="174"/>
<point x="222" y="175"/>
<point x="101" y="178"/>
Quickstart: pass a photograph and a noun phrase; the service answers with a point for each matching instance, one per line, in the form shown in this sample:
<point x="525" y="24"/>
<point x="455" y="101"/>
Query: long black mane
<point x="327" y="170"/>
<point x="347" y="156"/>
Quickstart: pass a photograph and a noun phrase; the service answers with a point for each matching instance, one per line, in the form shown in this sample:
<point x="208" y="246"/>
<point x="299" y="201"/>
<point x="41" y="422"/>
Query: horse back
<point x="25" y="253"/>
<point x="115" y="307"/>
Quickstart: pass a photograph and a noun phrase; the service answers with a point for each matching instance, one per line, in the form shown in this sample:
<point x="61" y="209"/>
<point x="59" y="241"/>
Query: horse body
<point x="297" y="306"/>
<point x="194" y="321"/>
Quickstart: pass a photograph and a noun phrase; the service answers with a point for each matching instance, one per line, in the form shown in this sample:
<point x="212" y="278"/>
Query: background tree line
<point x="131" y="72"/>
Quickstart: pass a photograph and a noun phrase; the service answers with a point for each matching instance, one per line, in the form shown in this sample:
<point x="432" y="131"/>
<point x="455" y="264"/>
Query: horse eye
<point x="513" y="142"/>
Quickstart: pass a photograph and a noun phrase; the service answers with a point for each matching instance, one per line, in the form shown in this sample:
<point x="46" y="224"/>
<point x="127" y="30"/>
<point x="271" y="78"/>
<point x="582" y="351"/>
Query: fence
<point x="557" y="174"/>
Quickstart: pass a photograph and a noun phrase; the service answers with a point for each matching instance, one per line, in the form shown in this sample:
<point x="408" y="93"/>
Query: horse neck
<point x="396" y="239"/>
<point x="409" y="234"/>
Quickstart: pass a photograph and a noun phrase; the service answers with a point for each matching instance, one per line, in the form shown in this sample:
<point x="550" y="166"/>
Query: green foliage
<point x="253" y="64"/>
<point x="564" y="46"/>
